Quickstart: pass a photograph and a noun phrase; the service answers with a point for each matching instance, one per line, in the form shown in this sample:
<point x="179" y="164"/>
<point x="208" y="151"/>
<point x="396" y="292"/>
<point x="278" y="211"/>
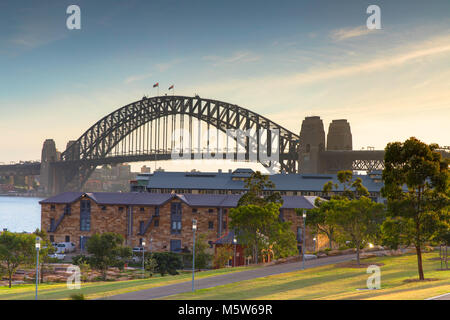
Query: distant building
<point x="166" y="218"/>
<point x="232" y="182"/>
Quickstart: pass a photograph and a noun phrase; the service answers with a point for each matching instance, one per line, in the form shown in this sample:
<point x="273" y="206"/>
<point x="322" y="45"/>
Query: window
<point x="156" y="223"/>
<point x="140" y="242"/>
<point x="83" y="242"/>
<point x="175" y="245"/>
<point x="67" y="210"/>
<point x="52" y="224"/>
<point x="156" y="211"/>
<point x="194" y="210"/>
<point x="52" y="207"/>
<point x="120" y="209"/>
<point x="142" y="209"/>
<point x="210" y="225"/>
<point x="103" y="208"/>
<point x="52" y="238"/>
<point x="210" y="210"/>
<point x="224" y="224"/>
<point x="299" y="234"/>
<point x="67" y="238"/>
<point x="85" y="215"/>
<point x="141" y="227"/>
<point x="175" y="217"/>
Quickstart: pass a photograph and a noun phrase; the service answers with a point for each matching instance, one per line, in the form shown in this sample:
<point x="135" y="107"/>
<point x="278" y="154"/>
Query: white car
<point x="65" y="247"/>
<point x="59" y="256"/>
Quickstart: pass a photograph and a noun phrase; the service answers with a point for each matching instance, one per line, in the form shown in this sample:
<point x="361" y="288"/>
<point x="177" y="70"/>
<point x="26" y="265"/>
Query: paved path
<point x="214" y="281"/>
<point x="445" y="296"/>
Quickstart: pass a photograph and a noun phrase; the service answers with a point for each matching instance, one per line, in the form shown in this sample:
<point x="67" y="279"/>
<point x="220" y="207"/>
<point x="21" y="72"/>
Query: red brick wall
<point x="113" y="220"/>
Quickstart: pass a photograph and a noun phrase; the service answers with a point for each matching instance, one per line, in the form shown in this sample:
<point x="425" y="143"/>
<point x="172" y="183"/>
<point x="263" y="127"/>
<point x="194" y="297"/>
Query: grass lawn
<point x="92" y="290"/>
<point x="334" y="282"/>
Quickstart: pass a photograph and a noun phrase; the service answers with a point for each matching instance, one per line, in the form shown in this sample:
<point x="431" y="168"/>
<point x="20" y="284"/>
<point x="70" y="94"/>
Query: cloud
<point x="347" y="33"/>
<point x="135" y="78"/>
<point x="237" y="57"/>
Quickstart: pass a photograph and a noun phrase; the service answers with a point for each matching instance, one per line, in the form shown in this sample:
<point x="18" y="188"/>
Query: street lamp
<point x="304" y="238"/>
<point x="234" y="256"/>
<point x="143" y="261"/>
<point x="194" y="228"/>
<point x="314" y="240"/>
<point x="38" y="246"/>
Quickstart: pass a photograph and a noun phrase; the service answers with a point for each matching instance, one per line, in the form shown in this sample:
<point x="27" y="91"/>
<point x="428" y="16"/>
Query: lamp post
<point x="234" y="255"/>
<point x="194" y="228"/>
<point x="143" y="260"/>
<point x="38" y="246"/>
<point x="314" y="240"/>
<point x="304" y="238"/>
<point x="151" y="250"/>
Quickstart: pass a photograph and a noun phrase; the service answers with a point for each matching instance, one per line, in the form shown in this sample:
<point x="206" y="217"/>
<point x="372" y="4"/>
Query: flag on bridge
<point x="171" y="87"/>
<point x="156" y="85"/>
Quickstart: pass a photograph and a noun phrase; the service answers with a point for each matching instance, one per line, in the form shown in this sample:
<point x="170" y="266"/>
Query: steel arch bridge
<point x="142" y="131"/>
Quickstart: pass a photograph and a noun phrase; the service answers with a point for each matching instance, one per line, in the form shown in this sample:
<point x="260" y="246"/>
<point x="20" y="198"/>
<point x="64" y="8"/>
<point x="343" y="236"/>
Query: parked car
<point x="65" y="247"/>
<point x="59" y="256"/>
<point x="138" y="249"/>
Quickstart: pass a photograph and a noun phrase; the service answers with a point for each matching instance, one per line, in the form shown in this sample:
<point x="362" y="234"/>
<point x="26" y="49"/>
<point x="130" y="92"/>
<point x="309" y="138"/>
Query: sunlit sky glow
<point x="283" y="59"/>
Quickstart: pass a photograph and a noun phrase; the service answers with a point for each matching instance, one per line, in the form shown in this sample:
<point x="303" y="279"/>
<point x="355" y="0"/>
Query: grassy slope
<point x="331" y="282"/>
<point x="94" y="290"/>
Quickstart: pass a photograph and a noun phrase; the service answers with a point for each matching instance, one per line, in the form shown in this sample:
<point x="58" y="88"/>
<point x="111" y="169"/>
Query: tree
<point x="46" y="250"/>
<point x="416" y="185"/>
<point x="358" y="220"/>
<point x="319" y="220"/>
<point x="202" y="258"/>
<point x="151" y="265"/>
<point x="107" y="251"/>
<point x="351" y="189"/>
<point x="260" y="228"/>
<point x="168" y="262"/>
<point x="16" y="249"/>
<point x="223" y="255"/>
<point x="256" y="184"/>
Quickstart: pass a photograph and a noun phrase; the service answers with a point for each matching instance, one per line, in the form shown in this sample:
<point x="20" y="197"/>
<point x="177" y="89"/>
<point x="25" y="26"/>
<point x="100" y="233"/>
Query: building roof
<point x="234" y="181"/>
<point x="157" y="199"/>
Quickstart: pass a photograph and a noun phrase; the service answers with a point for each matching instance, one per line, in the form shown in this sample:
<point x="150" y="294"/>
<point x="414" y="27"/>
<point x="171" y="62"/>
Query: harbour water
<point x="19" y="214"/>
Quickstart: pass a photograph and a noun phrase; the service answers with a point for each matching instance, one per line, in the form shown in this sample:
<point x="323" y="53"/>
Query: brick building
<point x="166" y="218"/>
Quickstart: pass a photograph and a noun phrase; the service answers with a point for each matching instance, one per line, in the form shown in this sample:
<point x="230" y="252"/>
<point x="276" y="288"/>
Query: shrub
<point x="167" y="262"/>
<point x="77" y="296"/>
<point x="80" y="259"/>
<point x="222" y="256"/>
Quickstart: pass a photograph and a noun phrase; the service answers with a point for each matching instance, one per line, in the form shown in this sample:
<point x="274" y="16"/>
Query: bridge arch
<point x="100" y="144"/>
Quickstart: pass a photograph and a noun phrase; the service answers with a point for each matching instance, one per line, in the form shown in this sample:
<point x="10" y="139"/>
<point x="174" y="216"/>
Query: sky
<point x="282" y="59"/>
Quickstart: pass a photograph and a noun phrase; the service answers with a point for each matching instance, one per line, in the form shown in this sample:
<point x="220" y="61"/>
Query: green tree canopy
<point x="256" y="184"/>
<point x="16" y="249"/>
<point x="260" y="228"/>
<point x="351" y="189"/>
<point x="419" y="212"/>
<point x="358" y="220"/>
<point x="107" y="251"/>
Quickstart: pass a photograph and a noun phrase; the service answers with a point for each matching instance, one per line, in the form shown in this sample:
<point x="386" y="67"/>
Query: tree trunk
<point x="10" y="278"/>
<point x="331" y="243"/>
<point x="419" y="262"/>
<point x="357" y="253"/>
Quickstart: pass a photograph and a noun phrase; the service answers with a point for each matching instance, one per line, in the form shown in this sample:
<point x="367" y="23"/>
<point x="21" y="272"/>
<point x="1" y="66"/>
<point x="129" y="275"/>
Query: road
<point x="209" y="282"/>
<point x="445" y="296"/>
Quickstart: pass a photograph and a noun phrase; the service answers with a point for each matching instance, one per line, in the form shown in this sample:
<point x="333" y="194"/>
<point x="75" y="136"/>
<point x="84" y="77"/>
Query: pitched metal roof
<point x="65" y="197"/>
<point x="157" y="199"/>
<point x="224" y="181"/>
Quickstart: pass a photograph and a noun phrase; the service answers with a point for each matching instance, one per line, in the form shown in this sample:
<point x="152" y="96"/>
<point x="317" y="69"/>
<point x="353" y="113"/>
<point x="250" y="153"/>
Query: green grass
<point x="93" y="290"/>
<point x="334" y="282"/>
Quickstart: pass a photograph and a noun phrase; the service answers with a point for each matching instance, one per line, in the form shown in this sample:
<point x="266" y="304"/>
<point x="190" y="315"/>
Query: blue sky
<point x="283" y="59"/>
